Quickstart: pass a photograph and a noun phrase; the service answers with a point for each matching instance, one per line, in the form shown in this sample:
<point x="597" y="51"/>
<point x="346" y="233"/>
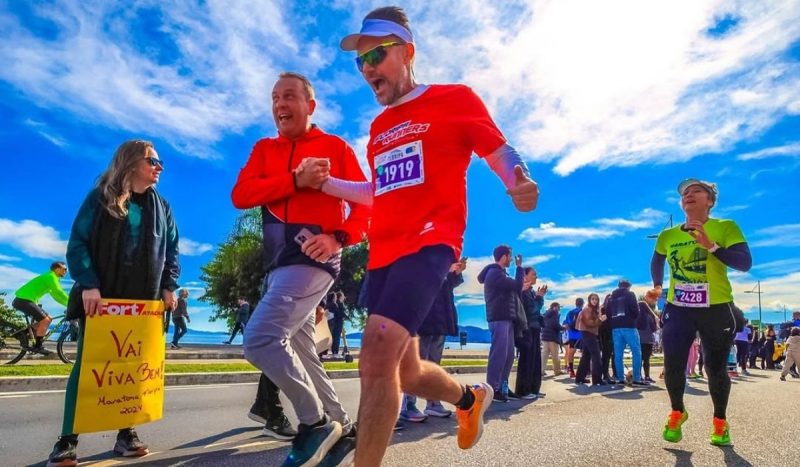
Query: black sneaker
<point x="279" y="428"/>
<point x="342" y="454"/>
<point x="499" y="397"/>
<point x="399" y="426"/>
<point x="40" y="349"/>
<point x="641" y="383"/>
<point x="312" y="443"/>
<point x="129" y="445"/>
<point x="512" y="396"/>
<point x="64" y="453"/>
<point x="258" y="413"/>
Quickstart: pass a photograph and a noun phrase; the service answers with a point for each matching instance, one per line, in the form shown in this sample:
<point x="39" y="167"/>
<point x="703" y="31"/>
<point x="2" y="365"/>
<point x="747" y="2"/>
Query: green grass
<point x="173" y="368"/>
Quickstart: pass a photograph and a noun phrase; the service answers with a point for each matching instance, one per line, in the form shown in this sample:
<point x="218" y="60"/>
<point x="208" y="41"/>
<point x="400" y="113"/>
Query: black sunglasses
<point x="374" y="56"/>
<point x="154" y="162"/>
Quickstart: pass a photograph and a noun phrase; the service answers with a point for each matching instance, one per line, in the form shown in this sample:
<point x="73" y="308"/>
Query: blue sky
<point x="611" y="103"/>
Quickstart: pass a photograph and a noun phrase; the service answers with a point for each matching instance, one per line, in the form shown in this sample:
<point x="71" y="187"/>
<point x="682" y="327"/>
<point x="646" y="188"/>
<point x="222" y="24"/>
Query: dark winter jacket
<point x="533" y="309"/>
<point x="623" y="309"/>
<point x="442" y="320"/>
<point x="243" y="313"/>
<point x="106" y="253"/>
<point x="646" y="324"/>
<point x="551" y="328"/>
<point x="500" y="292"/>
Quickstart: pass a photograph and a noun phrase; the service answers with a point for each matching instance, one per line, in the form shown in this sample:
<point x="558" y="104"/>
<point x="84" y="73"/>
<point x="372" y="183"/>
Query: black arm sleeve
<point x="736" y="256"/>
<point x="657" y="268"/>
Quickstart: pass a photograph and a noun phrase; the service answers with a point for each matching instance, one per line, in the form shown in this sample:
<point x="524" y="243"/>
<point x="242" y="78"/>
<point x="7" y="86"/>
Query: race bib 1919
<point x="399" y="167"/>
<point x="692" y="295"/>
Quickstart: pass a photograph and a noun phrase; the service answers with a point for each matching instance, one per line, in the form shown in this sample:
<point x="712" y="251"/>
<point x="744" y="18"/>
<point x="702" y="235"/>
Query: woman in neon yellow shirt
<point x="699" y="253"/>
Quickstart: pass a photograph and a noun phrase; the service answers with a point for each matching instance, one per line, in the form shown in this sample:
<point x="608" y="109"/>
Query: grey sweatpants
<point x="279" y="340"/>
<point x="501" y="354"/>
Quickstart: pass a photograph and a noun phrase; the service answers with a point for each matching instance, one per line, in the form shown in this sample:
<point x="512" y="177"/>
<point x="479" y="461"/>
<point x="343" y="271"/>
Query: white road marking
<point x="14" y="394"/>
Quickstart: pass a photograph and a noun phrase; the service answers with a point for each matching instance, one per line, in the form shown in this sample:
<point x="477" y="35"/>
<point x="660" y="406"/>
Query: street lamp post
<point x="757" y="290"/>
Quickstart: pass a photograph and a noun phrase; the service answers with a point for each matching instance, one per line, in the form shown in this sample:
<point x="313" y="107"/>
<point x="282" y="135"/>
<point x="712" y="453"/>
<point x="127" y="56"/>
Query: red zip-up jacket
<point x="266" y="181"/>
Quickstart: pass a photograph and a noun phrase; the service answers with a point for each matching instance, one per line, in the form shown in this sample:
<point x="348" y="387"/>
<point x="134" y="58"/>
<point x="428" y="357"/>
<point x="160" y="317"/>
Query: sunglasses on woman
<point x="374" y="56"/>
<point x="154" y="162"/>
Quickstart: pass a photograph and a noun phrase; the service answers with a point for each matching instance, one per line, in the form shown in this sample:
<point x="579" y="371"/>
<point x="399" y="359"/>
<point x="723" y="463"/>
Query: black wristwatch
<point x="342" y="237"/>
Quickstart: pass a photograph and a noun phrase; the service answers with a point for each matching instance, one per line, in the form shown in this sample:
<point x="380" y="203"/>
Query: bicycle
<point x="16" y="341"/>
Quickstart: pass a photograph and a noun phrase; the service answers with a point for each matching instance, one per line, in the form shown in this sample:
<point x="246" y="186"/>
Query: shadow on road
<point x="440" y="428"/>
<point x="732" y="458"/>
<point x="220" y="436"/>
<point x="695" y="391"/>
<point x="682" y="458"/>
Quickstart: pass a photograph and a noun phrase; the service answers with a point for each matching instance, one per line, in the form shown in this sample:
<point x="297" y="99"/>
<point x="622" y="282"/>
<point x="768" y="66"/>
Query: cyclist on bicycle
<point x="27" y="297"/>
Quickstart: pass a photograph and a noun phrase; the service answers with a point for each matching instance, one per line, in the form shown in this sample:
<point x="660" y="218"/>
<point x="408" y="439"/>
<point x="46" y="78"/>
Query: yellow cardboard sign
<point x="121" y="381"/>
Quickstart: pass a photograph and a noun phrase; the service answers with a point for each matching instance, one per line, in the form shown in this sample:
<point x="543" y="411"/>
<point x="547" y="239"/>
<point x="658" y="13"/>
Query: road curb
<point x="54" y="383"/>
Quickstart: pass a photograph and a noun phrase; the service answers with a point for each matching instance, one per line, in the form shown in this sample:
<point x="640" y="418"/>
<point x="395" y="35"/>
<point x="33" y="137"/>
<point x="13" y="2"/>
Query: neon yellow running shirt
<point x="697" y="278"/>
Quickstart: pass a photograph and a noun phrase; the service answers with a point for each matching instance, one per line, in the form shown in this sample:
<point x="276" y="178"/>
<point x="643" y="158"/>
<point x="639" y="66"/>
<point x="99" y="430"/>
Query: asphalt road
<point x="207" y="425"/>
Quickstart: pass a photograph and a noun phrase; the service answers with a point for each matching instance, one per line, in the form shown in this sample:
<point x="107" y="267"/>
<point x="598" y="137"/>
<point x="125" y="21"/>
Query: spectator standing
<point x="573" y="336"/>
<point x="551" y="337"/>
<point x="337" y="325"/>
<point x="179" y="318"/>
<point x="501" y="293"/>
<point x="588" y="323"/>
<point x="529" y="366"/>
<point x="606" y="343"/>
<point x="647" y="325"/>
<point x="742" y="341"/>
<point x="624" y="311"/>
<point x="123" y="244"/>
<point x="768" y="348"/>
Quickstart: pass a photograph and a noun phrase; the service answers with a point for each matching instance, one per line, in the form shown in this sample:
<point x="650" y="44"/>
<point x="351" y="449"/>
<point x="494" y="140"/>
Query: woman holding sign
<point x="123" y="245"/>
<point x="700" y="299"/>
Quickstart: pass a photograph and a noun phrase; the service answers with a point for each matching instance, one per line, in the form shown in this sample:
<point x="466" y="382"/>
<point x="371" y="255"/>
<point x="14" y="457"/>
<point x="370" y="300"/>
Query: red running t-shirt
<point x="418" y="154"/>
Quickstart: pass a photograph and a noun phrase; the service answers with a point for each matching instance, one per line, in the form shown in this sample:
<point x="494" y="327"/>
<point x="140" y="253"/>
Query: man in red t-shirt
<point x="419" y="150"/>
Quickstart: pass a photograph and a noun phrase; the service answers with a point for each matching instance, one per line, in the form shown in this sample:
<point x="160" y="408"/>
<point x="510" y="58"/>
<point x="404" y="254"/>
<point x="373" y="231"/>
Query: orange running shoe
<point x="470" y="421"/>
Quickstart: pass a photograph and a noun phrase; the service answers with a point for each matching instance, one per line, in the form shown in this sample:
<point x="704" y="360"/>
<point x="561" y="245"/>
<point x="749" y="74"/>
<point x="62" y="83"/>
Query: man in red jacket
<point x="304" y="231"/>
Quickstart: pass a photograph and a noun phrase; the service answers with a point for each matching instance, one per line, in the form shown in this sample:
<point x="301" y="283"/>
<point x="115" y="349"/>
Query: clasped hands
<point x="312" y="172"/>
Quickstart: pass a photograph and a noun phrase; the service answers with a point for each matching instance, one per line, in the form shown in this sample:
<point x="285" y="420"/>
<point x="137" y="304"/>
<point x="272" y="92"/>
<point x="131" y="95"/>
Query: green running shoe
<point x="720" y="436"/>
<point x="672" y="429"/>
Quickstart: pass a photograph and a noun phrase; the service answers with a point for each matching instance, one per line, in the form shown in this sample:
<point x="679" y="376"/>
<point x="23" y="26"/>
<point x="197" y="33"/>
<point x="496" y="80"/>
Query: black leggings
<point x="717" y="327"/>
<point x="647" y="352"/>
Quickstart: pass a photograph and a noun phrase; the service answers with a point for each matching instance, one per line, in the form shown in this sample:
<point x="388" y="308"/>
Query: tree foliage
<point x="9" y="318"/>
<point x="237" y="270"/>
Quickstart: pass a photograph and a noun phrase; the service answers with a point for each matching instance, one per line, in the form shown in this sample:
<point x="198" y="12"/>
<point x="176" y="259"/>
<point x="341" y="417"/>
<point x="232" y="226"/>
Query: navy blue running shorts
<point x="404" y="291"/>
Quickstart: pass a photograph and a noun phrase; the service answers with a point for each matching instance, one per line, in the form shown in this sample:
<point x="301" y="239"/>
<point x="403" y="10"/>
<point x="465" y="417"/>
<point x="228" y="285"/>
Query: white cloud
<point x="645" y="219"/>
<point x="555" y="236"/>
<point x="8" y="258"/>
<point x="778" y="267"/>
<point x="46" y="133"/>
<point x="565" y="236"/>
<point x="786" y="150"/>
<point x="615" y="83"/>
<point x="188" y="72"/>
<point x="776" y="292"/>
<point x="190" y="247"/>
<point x="787" y="235"/>
<point x="12" y="277"/>
<point x="33" y="239"/>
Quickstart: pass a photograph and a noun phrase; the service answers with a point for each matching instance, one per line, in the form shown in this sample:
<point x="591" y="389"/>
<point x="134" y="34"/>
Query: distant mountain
<point x="475" y="335"/>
